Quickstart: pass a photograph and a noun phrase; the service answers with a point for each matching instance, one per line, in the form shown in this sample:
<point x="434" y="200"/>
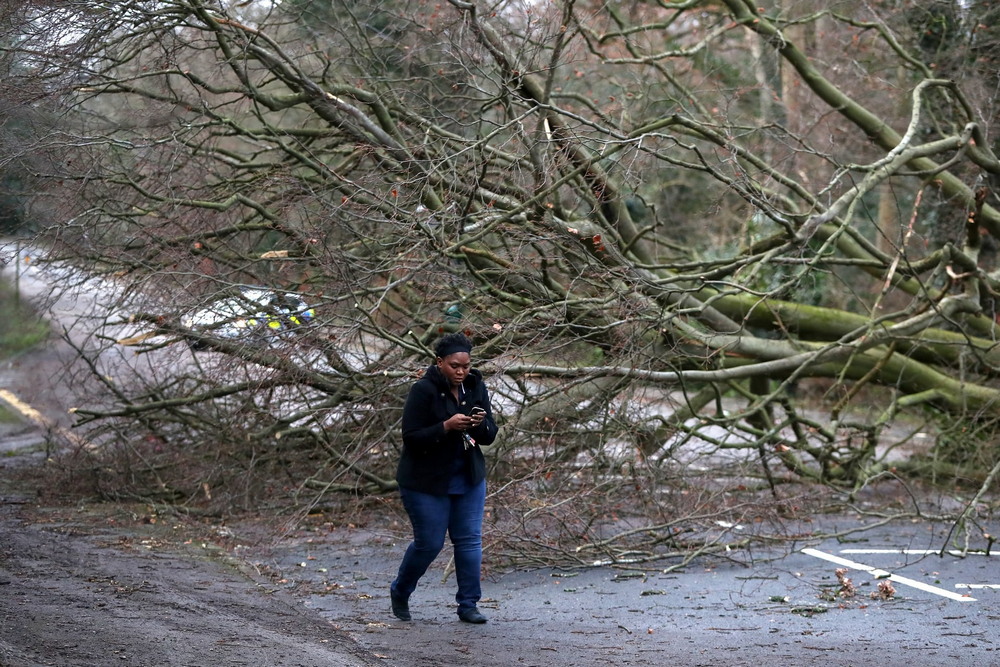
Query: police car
<point x="255" y="315"/>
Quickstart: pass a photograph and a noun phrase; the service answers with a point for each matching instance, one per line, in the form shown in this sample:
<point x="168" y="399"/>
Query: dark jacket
<point x="429" y="453"/>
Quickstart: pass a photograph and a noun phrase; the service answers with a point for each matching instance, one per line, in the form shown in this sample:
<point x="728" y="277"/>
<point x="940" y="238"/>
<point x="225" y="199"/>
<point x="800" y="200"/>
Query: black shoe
<point x="400" y="607"/>
<point x="471" y="615"/>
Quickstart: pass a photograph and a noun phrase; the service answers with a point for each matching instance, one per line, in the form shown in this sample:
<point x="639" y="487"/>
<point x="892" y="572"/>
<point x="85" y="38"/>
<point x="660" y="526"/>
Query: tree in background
<point x="23" y="117"/>
<point x="669" y="228"/>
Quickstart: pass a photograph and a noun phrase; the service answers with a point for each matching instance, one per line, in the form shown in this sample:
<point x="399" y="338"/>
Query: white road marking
<point x="918" y="552"/>
<point x="995" y="587"/>
<point x="883" y="574"/>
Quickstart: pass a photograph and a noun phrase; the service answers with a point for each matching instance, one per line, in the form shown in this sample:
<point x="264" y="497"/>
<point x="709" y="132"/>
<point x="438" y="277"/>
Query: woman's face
<point x="455" y="367"/>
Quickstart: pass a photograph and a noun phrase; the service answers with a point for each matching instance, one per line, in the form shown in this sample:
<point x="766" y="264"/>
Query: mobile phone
<point x="477" y="410"/>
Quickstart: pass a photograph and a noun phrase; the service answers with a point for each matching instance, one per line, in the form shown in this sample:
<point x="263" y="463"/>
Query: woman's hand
<point x="460" y="422"/>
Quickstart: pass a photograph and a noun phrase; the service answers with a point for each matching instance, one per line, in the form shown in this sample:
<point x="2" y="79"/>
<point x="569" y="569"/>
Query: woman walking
<point x="442" y="474"/>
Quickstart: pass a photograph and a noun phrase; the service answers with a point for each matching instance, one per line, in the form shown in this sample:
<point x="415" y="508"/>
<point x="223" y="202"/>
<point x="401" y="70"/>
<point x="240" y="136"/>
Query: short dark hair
<point x="452" y="343"/>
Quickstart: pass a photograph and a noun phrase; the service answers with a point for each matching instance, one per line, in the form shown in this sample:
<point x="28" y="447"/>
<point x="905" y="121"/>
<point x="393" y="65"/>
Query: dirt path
<point x="98" y="584"/>
<point x="72" y="596"/>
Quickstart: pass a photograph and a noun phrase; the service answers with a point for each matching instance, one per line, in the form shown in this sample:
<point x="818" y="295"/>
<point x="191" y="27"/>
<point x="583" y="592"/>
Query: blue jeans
<point x="461" y="516"/>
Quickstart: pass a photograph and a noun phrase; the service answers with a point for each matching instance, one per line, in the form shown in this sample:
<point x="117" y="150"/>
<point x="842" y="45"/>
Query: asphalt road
<point x="787" y="611"/>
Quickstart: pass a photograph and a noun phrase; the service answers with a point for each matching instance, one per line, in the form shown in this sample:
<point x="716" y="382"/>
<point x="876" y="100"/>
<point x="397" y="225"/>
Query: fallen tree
<point x="676" y="232"/>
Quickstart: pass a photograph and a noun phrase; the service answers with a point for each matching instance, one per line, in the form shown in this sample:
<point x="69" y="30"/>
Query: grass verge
<point x="21" y="328"/>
